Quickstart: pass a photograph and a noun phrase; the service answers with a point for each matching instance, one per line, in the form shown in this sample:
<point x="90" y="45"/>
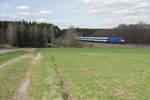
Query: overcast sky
<point x="78" y="13"/>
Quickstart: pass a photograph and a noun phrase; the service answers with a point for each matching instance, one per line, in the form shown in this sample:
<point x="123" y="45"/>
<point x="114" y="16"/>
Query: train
<point x="101" y="39"/>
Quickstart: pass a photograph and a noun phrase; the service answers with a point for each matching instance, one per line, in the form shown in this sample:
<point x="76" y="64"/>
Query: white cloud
<point x="41" y="20"/>
<point x="4" y="0"/>
<point x="24" y="14"/>
<point x="3" y="14"/>
<point x="44" y="12"/>
<point x="142" y="5"/>
<point x="7" y="15"/>
<point x="66" y="6"/>
<point x="33" y="14"/>
<point x="63" y="23"/>
<point x="107" y="21"/>
<point x="99" y="6"/>
<point x="119" y="11"/>
<point x="23" y="7"/>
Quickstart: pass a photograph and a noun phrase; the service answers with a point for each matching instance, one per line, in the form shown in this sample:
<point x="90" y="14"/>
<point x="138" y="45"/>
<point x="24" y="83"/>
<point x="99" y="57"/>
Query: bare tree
<point x="45" y="35"/>
<point x="11" y="33"/>
<point x="52" y="33"/>
<point x="2" y="37"/>
<point x="71" y="37"/>
<point x="69" y="40"/>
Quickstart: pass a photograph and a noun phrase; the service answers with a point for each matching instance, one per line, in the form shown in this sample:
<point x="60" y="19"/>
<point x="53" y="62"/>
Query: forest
<point x="27" y="34"/>
<point x="132" y="33"/>
<point x="32" y="34"/>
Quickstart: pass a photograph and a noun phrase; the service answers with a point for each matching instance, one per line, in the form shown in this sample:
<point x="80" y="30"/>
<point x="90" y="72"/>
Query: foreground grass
<point x="11" y="76"/>
<point x="10" y="55"/>
<point x="104" y="74"/>
<point x="44" y="83"/>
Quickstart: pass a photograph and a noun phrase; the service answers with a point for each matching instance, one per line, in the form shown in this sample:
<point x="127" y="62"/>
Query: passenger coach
<point x="102" y="39"/>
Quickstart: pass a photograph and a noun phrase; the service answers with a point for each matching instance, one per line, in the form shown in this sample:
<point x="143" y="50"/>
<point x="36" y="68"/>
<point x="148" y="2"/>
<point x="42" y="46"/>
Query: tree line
<point x="133" y="33"/>
<point x="27" y="34"/>
<point x="32" y="34"/>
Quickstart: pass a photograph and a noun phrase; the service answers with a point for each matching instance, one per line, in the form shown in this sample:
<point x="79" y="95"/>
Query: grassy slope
<point x="11" y="76"/>
<point x="116" y="74"/>
<point x="44" y="82"/>
<point x="10" y="55"/>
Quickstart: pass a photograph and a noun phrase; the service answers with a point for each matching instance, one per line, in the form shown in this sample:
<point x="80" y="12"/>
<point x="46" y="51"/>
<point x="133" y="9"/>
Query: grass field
<point x="103" y="74"/>
<point x="84" y="74"/>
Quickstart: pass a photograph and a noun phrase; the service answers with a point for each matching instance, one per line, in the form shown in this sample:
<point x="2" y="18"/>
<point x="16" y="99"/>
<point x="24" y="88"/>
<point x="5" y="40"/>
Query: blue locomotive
<point x="102" y="39"/>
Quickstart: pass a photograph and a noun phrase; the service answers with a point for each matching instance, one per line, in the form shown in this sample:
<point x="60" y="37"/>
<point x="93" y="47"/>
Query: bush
<point x="69" y="40"/>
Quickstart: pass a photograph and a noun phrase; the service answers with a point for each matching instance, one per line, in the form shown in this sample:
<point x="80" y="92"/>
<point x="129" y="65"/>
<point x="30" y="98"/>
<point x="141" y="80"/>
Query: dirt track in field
<point x="11" y="50"/>
<point x="67" y="94"/>
<point x="21" y="92"/>
<point x="15" y="60"/>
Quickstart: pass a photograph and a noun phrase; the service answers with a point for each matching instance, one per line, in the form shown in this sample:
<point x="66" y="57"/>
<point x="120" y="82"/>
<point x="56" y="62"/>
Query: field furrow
<point x="44" y="80"/>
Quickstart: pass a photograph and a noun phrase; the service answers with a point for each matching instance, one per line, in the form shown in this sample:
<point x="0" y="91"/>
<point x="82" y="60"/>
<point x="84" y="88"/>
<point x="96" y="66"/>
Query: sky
<point x="77" y="13"/>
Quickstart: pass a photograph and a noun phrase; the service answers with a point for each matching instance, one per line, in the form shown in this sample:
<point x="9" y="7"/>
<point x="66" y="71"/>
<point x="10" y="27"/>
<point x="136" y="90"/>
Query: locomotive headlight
<point x="122" y="40"/>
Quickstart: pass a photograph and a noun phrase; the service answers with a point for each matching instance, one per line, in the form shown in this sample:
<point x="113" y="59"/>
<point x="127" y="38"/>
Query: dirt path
<point x="67" y="93"/>
<point x="15" y="60"/>
<point x="21" y="92"/>
<point x="11" y="50"/>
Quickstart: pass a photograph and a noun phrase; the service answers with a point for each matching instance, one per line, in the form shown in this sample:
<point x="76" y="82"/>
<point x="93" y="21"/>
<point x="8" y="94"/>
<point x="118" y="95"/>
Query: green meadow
<point x="82" y="74"/>
<point x="103" y="74"/>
